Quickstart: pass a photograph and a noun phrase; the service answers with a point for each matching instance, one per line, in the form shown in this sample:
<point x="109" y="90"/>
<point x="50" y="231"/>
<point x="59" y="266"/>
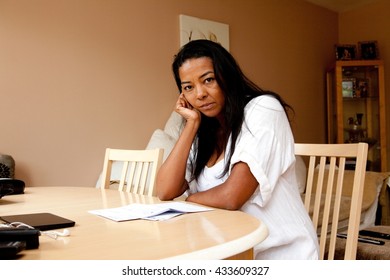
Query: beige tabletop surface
<point x="216" y="234"/>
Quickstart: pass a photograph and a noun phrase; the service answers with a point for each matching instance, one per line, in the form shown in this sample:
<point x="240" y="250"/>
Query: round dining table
<point x="215" y="234"/>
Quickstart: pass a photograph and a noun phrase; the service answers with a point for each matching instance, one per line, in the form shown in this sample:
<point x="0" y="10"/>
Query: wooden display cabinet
<point x="356" y="107"/>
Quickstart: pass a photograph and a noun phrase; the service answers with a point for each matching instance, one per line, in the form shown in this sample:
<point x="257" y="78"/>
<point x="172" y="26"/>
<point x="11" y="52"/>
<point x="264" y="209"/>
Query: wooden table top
<point x="215" y="234"/>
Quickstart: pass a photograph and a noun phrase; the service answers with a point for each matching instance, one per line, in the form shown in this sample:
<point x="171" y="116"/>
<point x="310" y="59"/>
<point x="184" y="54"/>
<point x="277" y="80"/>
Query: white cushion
<point x="174" y="125"/>
<point x="160" y="139"/>
<point x="301" y="172"/>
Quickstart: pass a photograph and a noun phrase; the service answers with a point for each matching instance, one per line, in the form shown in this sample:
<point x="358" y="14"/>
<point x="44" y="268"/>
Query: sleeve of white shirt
<point x="266" y="144"/>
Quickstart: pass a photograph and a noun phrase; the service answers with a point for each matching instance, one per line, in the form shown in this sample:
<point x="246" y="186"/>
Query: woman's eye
<point x="209" y="80"/>
<point x="187" y="88"/>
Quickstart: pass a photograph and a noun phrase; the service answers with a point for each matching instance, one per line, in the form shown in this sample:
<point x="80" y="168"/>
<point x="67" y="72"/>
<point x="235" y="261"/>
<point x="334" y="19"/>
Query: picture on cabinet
<point x="345" y="52"/>
<point x="362" y="88"/>
<point x="368" y="50"/>
<point x="348" y="87"/>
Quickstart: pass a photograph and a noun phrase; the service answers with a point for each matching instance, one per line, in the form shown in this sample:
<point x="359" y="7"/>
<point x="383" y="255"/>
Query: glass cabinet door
<point x="356" y="110"/>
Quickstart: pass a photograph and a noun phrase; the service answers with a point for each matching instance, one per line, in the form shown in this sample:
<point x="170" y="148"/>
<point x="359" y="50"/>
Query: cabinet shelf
<point x="355" y="107"/>
<point x="359" y="98"/>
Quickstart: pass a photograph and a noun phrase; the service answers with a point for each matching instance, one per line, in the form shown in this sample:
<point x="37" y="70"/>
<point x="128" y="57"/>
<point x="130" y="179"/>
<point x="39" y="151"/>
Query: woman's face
<point x="200" y="88"/>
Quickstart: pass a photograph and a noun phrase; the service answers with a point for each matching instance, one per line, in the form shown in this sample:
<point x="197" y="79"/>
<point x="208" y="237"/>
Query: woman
<point x="236" y="150"/>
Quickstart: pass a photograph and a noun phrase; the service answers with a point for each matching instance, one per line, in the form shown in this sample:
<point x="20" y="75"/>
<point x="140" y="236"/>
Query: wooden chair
<point x="138" y="172"/>
<point x="326" y="166"/>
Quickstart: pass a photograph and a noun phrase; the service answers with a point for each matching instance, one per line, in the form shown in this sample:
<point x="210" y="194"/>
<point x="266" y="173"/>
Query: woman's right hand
<point x="184" y="108"/>
<point x="170" y="182"/>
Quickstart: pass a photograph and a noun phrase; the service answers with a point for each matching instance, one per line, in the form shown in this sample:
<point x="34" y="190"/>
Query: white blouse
<point x="266" y="144"/>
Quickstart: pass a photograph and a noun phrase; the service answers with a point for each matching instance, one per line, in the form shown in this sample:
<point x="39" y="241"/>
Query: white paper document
<point x="155" y="212"/>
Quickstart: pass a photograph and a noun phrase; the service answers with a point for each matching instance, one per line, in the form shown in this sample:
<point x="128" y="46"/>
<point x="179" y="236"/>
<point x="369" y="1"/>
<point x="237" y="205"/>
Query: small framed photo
<point x="362" y="88"/>
<point x="345" y="52"/>
<point x="368" y="50"/>
<point x="348" y="87"/>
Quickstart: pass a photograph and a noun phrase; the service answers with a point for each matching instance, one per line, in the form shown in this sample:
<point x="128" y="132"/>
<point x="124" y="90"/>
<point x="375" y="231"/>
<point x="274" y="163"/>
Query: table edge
<point x="228" y="249"/>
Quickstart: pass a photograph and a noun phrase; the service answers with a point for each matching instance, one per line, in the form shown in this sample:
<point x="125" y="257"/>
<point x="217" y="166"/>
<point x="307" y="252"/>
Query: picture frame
<point x="362" y="87"/>
<point x="345" y="52"/>
<point x="368" y="49"/>
<point x="192" y="28"/>
<point x="348" y="87"/>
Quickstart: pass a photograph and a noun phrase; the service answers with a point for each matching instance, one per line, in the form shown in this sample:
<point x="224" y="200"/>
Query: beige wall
<point x="77" y="76"/>
<point x="370" y="23"/>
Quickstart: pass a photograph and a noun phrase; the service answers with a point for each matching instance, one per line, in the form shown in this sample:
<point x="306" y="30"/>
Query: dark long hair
<point x="238" y="91"/>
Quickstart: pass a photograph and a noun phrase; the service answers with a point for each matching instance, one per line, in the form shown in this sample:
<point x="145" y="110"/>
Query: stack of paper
<point x="155" y="212"/>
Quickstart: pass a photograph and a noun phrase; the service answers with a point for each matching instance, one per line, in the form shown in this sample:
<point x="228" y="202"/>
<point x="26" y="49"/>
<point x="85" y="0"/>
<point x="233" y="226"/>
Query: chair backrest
<point x="138" y="172"/>
<point x="326" y="166"/>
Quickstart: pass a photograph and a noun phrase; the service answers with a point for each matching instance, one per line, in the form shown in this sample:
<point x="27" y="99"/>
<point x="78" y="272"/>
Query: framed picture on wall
<point x="368" y="50"/>
<point x="192" y="28"/>
<point x="345" y="52"/>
